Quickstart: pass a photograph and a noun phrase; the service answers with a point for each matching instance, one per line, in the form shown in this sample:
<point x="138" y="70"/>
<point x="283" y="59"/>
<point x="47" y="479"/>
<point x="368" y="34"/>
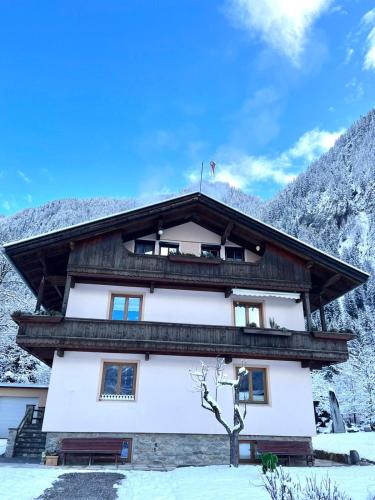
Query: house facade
<point x="142" y="298"/>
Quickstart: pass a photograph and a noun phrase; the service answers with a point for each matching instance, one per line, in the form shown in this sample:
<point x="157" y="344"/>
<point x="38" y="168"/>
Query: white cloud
<point x="244" y="171"/>
<point x="368" y="22"/>
<point x="349" y="55"/>
<point x="282" y="24"/>
<point x="23" y="176"/>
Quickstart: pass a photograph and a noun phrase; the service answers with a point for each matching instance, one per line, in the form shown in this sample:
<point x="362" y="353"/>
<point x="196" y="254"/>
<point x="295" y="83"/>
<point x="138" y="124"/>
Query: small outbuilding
<point x="13" y="400"/>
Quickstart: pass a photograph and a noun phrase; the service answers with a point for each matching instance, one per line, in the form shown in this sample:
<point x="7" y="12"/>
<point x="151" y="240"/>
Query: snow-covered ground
<point x="363" y="442"/>
<point x="191" y="483"/>
<point x="3" y="445"/>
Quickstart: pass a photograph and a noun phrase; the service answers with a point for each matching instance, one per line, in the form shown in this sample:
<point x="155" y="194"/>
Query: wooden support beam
<point x="228" y="229"/>
<point x="60" y="353"/>
<point x="228" y="292"/>
<point x="307" y="307"/>
<point x="66" y="294"/>
<point x="331" y="281"/>
<point x="56" y="280"/>
<point x="152" y="287"/>
<point x="72" y="282"/>
<point x="147" y="356"/>
<point x="227" y="359"/>
<point x="39" y="299"/>
<point x="322" y="315"/>
<point x="159" y="228"/>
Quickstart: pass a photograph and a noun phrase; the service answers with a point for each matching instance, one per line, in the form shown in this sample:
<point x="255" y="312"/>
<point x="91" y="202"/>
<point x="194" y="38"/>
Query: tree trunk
<point x="233" y="444"/>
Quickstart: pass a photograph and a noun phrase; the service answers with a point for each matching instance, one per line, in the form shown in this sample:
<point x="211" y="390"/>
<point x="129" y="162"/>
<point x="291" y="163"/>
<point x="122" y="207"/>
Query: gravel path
<point x="84" y="486"/>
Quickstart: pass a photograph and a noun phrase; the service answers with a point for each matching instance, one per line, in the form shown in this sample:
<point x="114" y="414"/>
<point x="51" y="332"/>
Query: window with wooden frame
<point x="247" y="451"/>
<point x="210" y="251"/>
<point x="126" y="307"/>
<point x="168" y="248"/>
<point x="234" y="254"/>
<point x="118" y="381"/>
<point x="144" y="247"/>
<point x="248" y="314"/>
<point x="253" y="388"/>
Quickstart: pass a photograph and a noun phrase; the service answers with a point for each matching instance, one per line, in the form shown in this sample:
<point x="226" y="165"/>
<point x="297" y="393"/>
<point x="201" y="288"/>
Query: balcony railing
<point x="36" y="333"/>
<point x="110" y="259"/>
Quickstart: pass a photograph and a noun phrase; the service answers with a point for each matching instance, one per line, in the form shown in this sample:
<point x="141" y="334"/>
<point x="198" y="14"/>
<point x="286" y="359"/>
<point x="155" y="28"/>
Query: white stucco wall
<point x="165" y="401"/>
<point x="180" y="306"/>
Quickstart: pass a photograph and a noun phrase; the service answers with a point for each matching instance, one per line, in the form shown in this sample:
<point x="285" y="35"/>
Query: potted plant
<point x="51" y="457"/>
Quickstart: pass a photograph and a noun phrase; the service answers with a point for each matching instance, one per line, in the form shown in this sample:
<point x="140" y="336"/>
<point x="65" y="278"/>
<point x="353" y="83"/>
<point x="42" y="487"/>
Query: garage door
<point x="12" y="410"/>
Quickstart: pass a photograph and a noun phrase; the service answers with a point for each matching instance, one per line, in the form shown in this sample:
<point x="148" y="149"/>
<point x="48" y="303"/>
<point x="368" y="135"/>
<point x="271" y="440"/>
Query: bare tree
<point x="210" y="403"/>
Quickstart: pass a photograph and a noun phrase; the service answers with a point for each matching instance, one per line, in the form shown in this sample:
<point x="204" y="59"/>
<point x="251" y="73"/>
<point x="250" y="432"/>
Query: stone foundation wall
<point x="170" y="450"/>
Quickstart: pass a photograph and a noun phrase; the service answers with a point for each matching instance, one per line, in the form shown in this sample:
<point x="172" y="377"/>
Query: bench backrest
<point x="97" y="445"/>
<point x="285" y="447"/>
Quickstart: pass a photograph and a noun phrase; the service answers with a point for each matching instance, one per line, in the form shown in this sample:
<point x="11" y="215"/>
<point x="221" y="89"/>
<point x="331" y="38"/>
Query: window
<point x="248" y="451"/>
<point x="168" y="248"/>
<point x="144" y="247"/>
<point x="126" y="307"/>
<point x="210" y="251"/>
<point x="118" y="382"/>
<point x="234" y="253"/>
<point x="246" y="314"/>
<point x="253" y="388"/>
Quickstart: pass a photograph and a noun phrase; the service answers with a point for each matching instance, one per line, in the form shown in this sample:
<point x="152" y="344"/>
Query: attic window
<point x="144" y="247"/>
<point x="210" y="251"/>
<point x="234" y="253"/>
<point x="168" y="248"/>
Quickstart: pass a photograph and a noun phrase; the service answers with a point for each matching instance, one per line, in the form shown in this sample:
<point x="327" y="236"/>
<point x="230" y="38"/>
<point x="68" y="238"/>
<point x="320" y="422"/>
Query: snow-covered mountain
<point x="331" y="205"/>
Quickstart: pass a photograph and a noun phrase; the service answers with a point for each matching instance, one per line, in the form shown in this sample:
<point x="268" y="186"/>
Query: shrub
<point x="280" y="486"/>
<point x="269" y="462"/>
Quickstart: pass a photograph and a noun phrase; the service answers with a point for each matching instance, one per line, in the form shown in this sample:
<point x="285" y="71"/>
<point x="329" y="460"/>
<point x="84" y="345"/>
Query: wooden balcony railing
<point x="42" y="336"/>
<point x="109" y="258"/>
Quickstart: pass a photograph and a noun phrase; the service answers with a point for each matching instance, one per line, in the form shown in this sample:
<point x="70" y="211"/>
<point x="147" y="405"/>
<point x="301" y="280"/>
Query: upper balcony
<point x="107" y="259"/>
<point x="42" y="335"/>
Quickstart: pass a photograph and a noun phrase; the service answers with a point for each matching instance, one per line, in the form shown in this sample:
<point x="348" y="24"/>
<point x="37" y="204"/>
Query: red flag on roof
<point x="212" y="165"/>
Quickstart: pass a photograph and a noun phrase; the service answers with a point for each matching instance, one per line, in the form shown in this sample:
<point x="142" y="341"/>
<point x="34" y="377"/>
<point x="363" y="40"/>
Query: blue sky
<point x="126" y="98"/>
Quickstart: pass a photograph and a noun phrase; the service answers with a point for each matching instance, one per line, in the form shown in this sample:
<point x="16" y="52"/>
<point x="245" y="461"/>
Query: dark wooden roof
<point x="48" y="253"/>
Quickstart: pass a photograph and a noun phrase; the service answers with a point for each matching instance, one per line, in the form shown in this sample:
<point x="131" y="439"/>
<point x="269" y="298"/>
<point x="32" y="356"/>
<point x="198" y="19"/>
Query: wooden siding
<point x="179" y="339"/>
<point x="106" y="256"/>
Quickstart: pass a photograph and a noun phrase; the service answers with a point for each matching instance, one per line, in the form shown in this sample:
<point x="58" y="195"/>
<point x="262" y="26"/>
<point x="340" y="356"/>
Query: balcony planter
<point x="194" y="259"/>
<point x="248" y="330"/>
<point x="36" y="318"/>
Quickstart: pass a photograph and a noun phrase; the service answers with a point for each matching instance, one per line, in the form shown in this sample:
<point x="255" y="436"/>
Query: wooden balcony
<point x="108" y="260"/>
<point x="40" y="336"/>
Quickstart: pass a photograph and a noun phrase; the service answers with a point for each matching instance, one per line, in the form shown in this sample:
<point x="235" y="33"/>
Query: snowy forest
<point x="331" y="206"/>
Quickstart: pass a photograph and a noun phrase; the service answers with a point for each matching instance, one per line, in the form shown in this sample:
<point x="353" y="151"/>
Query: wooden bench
<point x="95" y="447"/>
<point x="287" y="449"/>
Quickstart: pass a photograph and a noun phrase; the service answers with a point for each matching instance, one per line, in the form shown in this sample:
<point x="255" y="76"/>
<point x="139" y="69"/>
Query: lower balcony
<point x="41" y="336"/>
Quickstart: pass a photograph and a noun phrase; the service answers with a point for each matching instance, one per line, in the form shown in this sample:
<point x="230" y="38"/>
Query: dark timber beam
<point x="66" y="294"/>
<point x="60" y="353"/>
<point x="39" y="299"/>
<point x="147" y="356"/>
<point x="159" y="228"/>
<point x="226" y="233"/>
<point x="228" y="293"/>
<point x="322" y="315"/>
<point x="228" y="360"/>
<point x="307" y="307"/>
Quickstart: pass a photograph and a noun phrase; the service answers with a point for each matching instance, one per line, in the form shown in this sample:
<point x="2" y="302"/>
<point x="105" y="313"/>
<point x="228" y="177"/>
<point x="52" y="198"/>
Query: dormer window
<point x="144" y="247"/>
<point x="234" y="253"/>
<point x="210" y="251"/>
<point x="168" y="248"/>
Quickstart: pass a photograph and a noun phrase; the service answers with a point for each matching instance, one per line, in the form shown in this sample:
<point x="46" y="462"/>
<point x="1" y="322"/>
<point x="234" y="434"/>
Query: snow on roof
<point x="15" y="385"/>
<point x="196" y="193"/>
